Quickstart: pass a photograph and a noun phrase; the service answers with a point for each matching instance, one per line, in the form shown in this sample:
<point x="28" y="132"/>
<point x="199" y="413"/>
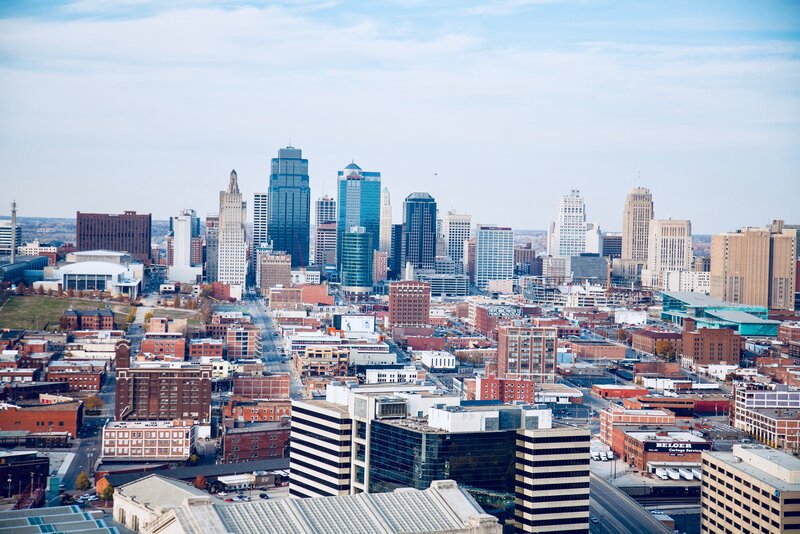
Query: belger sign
<point x="676" y="447"/>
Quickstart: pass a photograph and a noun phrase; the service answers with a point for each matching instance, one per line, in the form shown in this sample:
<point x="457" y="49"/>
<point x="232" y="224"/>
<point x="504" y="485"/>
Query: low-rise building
<point x="654" y="445"/>
<point x="79" y="377"/>
<point x="322" y="360"/>
<point x="436" y="360"/>
<point x="101" y="319"/>
<point x="243" y="341"/>
<point x="206" y="347"/>
<point x="61" y="417"/>
<point x="255" y="411"/>
<point x="267" y="386"/>
<point x="148" y="440"/>
<point x="618" y="391"/>
<point x="645" y="340"/>
<point x="616" y="415"/>
<point x="249" y="442"/>
<point x="406" y="374"/>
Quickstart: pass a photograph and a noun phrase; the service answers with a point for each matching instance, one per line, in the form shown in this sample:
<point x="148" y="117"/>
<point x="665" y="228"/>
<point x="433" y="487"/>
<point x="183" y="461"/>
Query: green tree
<point x="82" y="481"/>
<point x="108" y="493"/>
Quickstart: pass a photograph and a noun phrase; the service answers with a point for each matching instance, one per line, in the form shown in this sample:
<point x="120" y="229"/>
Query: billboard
<point x="355" y="323"/>
<point x="677" y="447"/>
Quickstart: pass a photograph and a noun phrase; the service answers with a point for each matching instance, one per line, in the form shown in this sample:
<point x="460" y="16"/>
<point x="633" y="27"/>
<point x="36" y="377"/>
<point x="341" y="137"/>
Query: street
<point x="617" y="513"/>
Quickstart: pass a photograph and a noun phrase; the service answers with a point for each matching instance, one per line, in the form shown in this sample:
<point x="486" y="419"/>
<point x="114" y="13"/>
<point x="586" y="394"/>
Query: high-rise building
<point x="669" y="249"/>
<point x="359" y="204"/>
<point x="232" y="248"/>
<point x="552" y="480"/>
<point x="750" y="489"/>
<point x="636" y="217"/>
<point x="612" y="245"/>
<point x="260" y="220"/>
<point x="419" y="231"/>
<point x="409" y="303"/>
<point x="494" y="254"/>
<point x="456" y="228"/>
<point x="212" y="248"/>
<point x="527" y="352"/>
<point x="396" y="251"/>
<point x="289" y="221"/>
<point x="275" y="268"/>
<point x="524" y="256"/>
<point x="380" y="266"/>
<point x="325" y="210"/>
<point x="567" y="234"/>
<point x="386" y="221"/>
<point x="325" y="244"/>
<point x="755" y="266"/>
<point x="469" y="258"/>
<point x="128" y="232"/>
<point x="356" y="261"/>
<point x="7" y="230"/>
<point x="182" y="245"/>
<point x="594" y="239"/>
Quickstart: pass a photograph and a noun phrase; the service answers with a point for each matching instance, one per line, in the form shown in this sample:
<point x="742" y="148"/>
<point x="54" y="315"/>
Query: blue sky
<point x="494" y="107"/>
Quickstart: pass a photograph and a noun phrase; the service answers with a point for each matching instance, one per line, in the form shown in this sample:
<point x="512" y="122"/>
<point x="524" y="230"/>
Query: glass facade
<point x="482" y="462"/>
<point x="290" y="205"/>
<point x="356" y="259"/>
<point x="359" y="204"/>
<point x="419" y="231"/>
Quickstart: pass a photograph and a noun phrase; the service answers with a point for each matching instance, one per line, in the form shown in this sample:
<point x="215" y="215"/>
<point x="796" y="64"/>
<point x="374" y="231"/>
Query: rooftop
<point x="784" y="469"/>
<point x="669" y="437"/>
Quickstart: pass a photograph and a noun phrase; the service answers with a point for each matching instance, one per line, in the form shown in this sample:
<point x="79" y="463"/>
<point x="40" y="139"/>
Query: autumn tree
<point x="622" y="335"/>
<point x="39" y="290"/>
<point x="131" y="317"/>
<point x="176" y="302"/>
<point x="108" y="493"/>
<point x="21" y="288"/>
<point x="93" y="403"/>
<point x="193" y="459"/>
<point x="71" y="293"/>
<point x="82" y="481"/>
<point x="200" y="482"/>
<point x="147" y="317"/>
<point x="665" y="348"/>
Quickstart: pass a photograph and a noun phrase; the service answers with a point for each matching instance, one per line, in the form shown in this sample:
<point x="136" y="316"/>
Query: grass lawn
<point x="193" y="316"/>
<point x="40" y="311"/>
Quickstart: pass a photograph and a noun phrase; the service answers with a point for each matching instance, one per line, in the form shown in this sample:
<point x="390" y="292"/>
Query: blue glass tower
<point x="359" y="205"/>
<point x="289" y="206"/>
<point x="419" y="231"/>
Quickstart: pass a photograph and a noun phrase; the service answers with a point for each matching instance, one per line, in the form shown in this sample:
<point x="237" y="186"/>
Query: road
<point x="270" y="349"/>
<point x="617" y="513"/>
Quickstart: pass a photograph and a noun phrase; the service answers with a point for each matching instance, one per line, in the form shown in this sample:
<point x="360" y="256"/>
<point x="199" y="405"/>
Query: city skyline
<point x="585" y="98"/>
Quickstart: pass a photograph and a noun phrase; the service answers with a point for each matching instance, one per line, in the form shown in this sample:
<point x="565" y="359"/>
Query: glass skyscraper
<point x="356" y="260"/>
<point x="419" y="231"/>
<point x="290" y="205"/>
<point x="359" y="205"/>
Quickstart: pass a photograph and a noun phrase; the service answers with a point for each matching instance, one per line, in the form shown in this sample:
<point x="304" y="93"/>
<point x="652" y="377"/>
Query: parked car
<point x="263" y="496"/>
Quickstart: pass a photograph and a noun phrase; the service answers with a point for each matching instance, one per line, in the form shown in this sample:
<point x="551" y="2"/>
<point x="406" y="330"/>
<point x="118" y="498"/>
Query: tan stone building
<point x="636" y="224"/>
<point x="751" y="489"/>
<point x="275" y="269"/>
<point x="755" y="266"/>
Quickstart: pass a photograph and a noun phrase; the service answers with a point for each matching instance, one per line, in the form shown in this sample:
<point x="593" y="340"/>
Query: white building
<point x="182" y="269"/>
<point x="567" y="234"/>
<point x="302" y="276"/>
<point x="95" y="275"/>
<point x="260" y="218"/>
<point x="6" y="232"/>
<point x="694" y="281"/>
<point x="34" y="248"/>
<point x="232" y="248"/>
<point x="476" y="419"/>
<point x="406" y="374"/>
<point x="386" y="221"/>
<point x="594" y="238"/>
<point x="457" y="228"/>
<point x="494" y="254"/>
<point x="149" y="440"/>
<point x="435" y="359"/>
<point x="636" y="217"/>
<point x="669" y="249"/>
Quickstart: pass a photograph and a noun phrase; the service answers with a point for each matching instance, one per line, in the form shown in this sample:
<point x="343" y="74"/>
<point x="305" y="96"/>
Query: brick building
<point x="322" y="360"/>
<point x="642" y="446"/>
<point x="148" y="440"/>
<point x="645" y="340"/>
<point x="164" y="345"/>
<point x="409" y="303"/>
<point x="79" y="377"/>
<point x="598" y="350"/>
<point x="211" y="348"/>
<point x="612" y="391"/>
<point x="128" y="232"/>
<point x="710" y="346"/>
<point x="268" y="386"/>
<point x="243" y="341"/>
<point x="527" y="352"/>
<point x="256" y="441"/>
<point x="506" y="390"/>
<point x="87" y="319"/>
<point x="60" y="417"/>
<point x="161" y="391"/>
<point x="255" y="411"/>
<point x="616" y="415"/>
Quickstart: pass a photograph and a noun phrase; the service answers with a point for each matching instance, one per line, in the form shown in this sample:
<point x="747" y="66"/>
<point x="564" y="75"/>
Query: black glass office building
<point x="290" y="205"/>
<point x="419" y="231"/>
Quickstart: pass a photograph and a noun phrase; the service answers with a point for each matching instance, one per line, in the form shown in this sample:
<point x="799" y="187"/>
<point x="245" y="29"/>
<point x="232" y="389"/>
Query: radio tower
<point x="13" y="230"/>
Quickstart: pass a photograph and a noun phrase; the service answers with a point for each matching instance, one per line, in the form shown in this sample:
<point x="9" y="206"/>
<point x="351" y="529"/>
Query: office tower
<point x="386" y="221"/>
<point x="469" y="259"/>
<point x="380" y="266"/>
<point x="456" y="228"/>
<point x="523" y="259"/>
<point x="212" y="248"/>
<point x="183" y="228"/>
<point x="612" y="245"/>
<point x="356" y="261"/>
<point x="441" y="242"/>
<point x="325" y="210"/>
<point x="552" y="480"/>
<point x="669" y="248"/>
<point x="10" y="234"/>
<point x="320" y="455"/>
<point x="128" y="232"/>
<point x="289" y="222"/>
<point x="636" y="217"/>
<point x="494" y="254"/>
<point x="396" y="251"/>
<point x="409" y="303"/>
<point x="260" y="219"/>
<point x="275" y="269"/>
<point x="419" y="231"/>
<point x="232" y="248"/>
<point x="325" y="244"/>
<point x="567" y="234"/>
<point x="755" y="266"/>
<point x="594" y="239"/>
<point x="527" y="352"/>
<point x="750" y="489"/>
<point x="359" y="204"/>
<point x="593" y="268"/>
<point x="160" y="391"/>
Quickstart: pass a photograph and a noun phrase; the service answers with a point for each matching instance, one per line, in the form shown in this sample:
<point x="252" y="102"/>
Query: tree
<point x="82" y="481"/>
<point x="50" y="292"/>
<point x="665" y="348"/>
<point x="176" y="302"/>
<point x="93" y="403"/>
<point x="200" y="482"/>
<point x="147" y="317"/>
<point x="131" y="316"/>
<point x="108" y="493"/>
<point x="71" y="293"/>
<point x="39" y="290"/>
<point x="21" y="288"/>
<point x="622" y="335"/>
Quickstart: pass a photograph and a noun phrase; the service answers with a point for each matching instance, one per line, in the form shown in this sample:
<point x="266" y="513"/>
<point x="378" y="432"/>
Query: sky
<point x="495" y="107"/>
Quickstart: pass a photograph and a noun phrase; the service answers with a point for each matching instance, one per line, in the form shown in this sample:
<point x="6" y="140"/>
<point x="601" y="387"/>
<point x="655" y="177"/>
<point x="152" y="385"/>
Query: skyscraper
<point x="357" y="253"/>
<point x="260" y="218"/>
<point x="567" y="235"/>
<point x="456" y="228"/>
<point x="669" y="249"/>
<point x="359" y="205"/>
<point x="10" y="234"/>
<point x="289" y="221"/>
<point x="232" y="249"/>
<point x="494" y="254"/>
<point x="325" y="211"/>
<point x="527" y="352"/>
<point x="755" y="266"/>
<point x="419" y="231"/>
<point x="212" y="248"/>
<point x="128" y="232"/>
<point x="636" y="217"/>
<point x="325" y="231"/>
<point x="396" y="251"/>
<point x="386" y="221"/>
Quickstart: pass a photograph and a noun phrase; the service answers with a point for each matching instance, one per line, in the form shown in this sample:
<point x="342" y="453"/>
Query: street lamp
<point x="9" y="485"/>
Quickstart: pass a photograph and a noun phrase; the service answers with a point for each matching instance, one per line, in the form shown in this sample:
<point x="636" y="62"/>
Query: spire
<point x="233" y="185"/>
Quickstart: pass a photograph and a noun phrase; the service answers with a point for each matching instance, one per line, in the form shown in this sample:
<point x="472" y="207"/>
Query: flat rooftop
<point x="670" y="437"/>
<point x="779" y="459"/>
<point x="137" y="425"/>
